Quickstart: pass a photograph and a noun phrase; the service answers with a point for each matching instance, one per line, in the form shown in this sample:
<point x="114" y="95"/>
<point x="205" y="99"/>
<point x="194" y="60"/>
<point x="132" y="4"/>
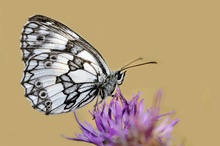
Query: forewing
<point x="57" y="82"/>
<point x="42" y="34"/>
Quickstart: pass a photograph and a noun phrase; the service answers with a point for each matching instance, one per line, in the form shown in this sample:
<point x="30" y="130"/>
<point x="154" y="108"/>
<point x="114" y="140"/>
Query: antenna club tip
<point x="153" y="62"/>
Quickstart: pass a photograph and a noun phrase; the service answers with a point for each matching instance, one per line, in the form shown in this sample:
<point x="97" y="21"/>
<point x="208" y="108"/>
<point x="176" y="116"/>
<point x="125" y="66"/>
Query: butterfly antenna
<point x="132" y="62"/>
<point x="127" y="67"/>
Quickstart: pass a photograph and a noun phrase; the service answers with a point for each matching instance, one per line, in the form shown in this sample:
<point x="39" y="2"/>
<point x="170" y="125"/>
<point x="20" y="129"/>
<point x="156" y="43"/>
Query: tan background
<point x="183" y="36"/>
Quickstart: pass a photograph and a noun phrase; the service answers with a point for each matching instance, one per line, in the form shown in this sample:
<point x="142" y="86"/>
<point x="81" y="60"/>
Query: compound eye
<point x="120" y="77"/>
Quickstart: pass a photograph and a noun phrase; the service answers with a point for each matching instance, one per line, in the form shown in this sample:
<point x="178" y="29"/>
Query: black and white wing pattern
<point x="62" y="72"/>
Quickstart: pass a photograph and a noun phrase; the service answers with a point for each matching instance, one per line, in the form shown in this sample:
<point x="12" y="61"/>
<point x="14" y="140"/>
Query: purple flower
<point x="128" y="123"/>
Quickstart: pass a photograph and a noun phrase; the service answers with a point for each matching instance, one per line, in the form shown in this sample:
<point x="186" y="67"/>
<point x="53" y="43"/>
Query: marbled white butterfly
<point x="63" y="72"/>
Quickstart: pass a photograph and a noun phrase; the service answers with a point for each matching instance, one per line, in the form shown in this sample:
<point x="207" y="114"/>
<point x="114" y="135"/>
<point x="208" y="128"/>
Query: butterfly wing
<point x="59" y="82"/>
<point x="63" y="72"/>
<point x="43" y="34"/>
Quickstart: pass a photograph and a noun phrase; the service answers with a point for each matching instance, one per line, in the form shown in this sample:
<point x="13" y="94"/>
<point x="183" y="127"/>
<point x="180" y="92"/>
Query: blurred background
<point x="182" y="36"/>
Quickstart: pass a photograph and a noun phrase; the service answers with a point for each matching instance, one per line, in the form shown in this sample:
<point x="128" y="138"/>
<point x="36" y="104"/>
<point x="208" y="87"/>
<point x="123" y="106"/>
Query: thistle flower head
<point x="127" y="123"/>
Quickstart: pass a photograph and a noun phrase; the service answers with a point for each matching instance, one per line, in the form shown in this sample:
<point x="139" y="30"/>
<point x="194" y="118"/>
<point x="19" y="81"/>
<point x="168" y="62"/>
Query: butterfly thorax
<point x="110" y="82"/>
<point x="108" y="85"/>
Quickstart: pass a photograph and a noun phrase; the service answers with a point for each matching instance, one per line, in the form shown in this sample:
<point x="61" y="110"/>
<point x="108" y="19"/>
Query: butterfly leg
<point x="98" y="102"/>
<point x="119" y="95"/>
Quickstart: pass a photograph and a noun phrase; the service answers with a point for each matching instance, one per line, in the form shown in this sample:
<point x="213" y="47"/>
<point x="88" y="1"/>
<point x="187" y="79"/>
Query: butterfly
<point x="63" y="72"/>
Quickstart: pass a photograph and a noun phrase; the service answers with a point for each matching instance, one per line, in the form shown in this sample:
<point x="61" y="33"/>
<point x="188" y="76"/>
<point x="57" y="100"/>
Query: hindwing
<point x="59" y="82"/>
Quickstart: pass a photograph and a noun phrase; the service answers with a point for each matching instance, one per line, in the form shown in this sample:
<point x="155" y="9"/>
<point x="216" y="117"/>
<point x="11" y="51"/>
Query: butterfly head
<point x="120" y="77"/>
